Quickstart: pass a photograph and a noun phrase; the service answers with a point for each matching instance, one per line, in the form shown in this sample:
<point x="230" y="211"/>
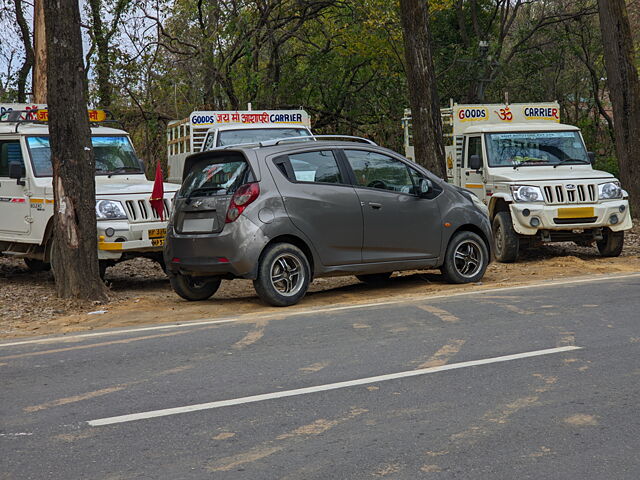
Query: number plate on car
<point x="578" y="212"/>
<point x="157" y="233"/>
<point x="157" y="242"/>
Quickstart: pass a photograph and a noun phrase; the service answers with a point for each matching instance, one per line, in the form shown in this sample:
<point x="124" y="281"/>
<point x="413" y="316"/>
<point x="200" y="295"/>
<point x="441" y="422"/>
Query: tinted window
<point x="475" y="148"/>
<point x="320" y="167"/>
<point x="375" y="170"/>
<point x="10" y="152"/>
<point x="218" y="177"/>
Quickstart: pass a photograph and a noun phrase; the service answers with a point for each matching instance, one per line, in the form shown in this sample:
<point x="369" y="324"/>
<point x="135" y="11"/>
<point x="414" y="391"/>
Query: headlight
<point x="526" y="193"/>
<point x="607" y="191"/>
<point x="110" y="210"/>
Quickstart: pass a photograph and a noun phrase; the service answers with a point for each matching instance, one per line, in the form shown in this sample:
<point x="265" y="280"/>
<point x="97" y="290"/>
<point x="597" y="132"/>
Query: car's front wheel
<point x="466" y="259"/>
<point x="194" y="288"/>
<point x="283" y="275"/>
<point x="505" y="239"/>
<point x="611" y="244"/>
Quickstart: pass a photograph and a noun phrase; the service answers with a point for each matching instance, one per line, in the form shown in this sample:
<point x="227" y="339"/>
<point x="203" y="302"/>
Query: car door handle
<point x="375" y="205"/>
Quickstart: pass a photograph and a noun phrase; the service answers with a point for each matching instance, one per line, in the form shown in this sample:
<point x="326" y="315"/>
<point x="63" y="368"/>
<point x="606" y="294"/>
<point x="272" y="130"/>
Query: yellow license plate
<point x="577" y="212"/>
<point x="157" y="233"/>
<point x="157" y="242"/>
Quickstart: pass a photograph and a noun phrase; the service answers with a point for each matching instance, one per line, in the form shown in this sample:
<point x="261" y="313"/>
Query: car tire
<point x="505" y="239"/>
<point x="466" y="259"/>
<point x="35" y="265"/>
<point x="194" y="288"/>
<point x="283" y="275"/>
<point x="375" y="278"/>
<point x="611" y="243"/>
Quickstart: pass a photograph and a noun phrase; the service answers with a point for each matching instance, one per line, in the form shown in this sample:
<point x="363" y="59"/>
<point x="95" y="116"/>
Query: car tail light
<point x="243" y="197"/>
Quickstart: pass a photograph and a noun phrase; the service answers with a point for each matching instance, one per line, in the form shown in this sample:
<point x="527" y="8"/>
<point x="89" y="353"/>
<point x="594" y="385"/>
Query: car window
<point x="319" y="167"/>
<point x="375" y="170"/>
<point x="475" y="148"/>
<point x="10" y="152"/>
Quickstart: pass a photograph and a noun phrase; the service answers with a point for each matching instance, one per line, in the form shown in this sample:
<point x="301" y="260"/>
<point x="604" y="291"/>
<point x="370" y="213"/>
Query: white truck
<point x="205" y="130"/>
<point x="127" y="225"/>
<point x="534" y="174"/>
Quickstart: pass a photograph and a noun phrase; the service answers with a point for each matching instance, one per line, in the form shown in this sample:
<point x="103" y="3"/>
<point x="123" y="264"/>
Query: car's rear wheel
<point x="505" y="238"/>
<point x="375" y="278"/>
<point x="283" y="275"/>
<point x="611" y="243"/>
<point x="466" y="259"/>
<point x="194" y="288"/>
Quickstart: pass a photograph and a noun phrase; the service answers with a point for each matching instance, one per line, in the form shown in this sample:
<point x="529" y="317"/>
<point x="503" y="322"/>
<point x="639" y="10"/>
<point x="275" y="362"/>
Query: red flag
<point x="157" y="196"/>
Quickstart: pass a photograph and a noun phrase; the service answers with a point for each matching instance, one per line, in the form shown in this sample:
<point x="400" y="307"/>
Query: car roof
<point x="520" y="127"/>
<point x="43" y="129"/>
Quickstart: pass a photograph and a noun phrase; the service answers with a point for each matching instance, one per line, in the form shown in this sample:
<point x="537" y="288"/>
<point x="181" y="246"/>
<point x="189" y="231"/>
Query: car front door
<point x="14" y="203"/>
<point x="398" y="224"/>
<point x="472" y="179"/>
<point x="321" y="202"/>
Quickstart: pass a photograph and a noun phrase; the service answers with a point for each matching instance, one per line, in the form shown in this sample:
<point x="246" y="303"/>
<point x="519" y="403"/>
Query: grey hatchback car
<point x="284" y="213"/>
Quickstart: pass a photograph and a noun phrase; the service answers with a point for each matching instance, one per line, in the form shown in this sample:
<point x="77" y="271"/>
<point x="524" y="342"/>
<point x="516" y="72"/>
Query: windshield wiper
<point x="123" y="170"/>
<point x="569" y="160"/>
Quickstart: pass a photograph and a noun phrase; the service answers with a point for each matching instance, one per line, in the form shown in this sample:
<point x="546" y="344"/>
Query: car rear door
<point x="398" y="224"/>
<point x="321" y="203"/>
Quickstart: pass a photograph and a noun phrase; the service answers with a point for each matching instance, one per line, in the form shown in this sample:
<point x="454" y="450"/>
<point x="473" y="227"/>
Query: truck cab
<point x="127" y="225"/>
<point x="206" y="130"/>
<point x="535" y="175"/>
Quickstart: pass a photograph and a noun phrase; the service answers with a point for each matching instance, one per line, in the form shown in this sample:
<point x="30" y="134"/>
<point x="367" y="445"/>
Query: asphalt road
<point x="480" y="386"/>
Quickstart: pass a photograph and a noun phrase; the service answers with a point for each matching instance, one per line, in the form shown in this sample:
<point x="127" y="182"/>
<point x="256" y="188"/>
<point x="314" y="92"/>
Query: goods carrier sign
<point x="248" y="117"/>
<point x="467" y="115"/>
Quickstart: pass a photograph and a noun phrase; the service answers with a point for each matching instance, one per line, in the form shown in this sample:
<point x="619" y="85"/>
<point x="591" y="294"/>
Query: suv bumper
<point x="129" y="238"/>
<point x="570" y="217"/>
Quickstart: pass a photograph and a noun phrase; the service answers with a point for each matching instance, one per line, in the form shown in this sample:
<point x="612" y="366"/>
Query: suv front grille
<point x="559" y="194"/>
<point x="141" y="210"/>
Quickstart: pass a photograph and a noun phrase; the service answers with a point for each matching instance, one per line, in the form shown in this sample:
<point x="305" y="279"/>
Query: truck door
<point x="471" y="179"/>
<point x="14" y="203"/>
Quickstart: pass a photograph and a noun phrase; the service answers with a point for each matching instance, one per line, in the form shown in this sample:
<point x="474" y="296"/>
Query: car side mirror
<point x="17" y="171"/>
<point x="592" y="157"/>
<point x="424" y="187"/>
<point x="475" y="163"/>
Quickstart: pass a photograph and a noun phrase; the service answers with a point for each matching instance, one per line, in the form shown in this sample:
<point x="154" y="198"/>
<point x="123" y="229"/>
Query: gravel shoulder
<point x="139" y="292"/>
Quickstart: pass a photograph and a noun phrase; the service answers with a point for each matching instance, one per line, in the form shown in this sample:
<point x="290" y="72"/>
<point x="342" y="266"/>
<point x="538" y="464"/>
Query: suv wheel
<point x="283" y="275"/>
<point x="375" y="278"/>
<point x="194" y="288"/>
<point x="611" y="243"/>
<point x="466" y="259"/>
<point x="505" y="238"/>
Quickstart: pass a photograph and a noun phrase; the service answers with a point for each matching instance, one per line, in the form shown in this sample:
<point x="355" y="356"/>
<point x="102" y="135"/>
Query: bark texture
<point x="40" y="54"/>
<point x="425" y="105"/>
<point x="74" y="252"/>
<point x="624" y="91"/>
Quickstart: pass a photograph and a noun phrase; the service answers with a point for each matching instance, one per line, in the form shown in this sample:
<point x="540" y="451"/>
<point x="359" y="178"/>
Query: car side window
<point x="475" y="148"/>
<point x="10" y="152"/>
<point x="375" y="170"/>
<point x="316" y="167"/>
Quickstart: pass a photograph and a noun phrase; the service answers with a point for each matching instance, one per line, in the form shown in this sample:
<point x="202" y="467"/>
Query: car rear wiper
<point x="569" y="160"/>
<point x="123" y="169"/>
<point x="202" y="190"/>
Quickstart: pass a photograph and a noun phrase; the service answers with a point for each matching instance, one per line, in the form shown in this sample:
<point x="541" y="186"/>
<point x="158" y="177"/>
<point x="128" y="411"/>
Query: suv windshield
<point x="220" y="178"/>
<point x="253" y="135"/>
<point x="113" y="156"/>
<point x="535" y="148"/>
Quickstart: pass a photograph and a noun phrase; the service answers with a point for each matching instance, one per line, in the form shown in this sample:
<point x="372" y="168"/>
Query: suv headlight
<point x="527" y="193"/>
<point x="609" y="190"/>
<point x="110" y="210"/>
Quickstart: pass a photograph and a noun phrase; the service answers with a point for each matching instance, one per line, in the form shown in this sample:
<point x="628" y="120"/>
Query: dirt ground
<point x="140" y="292"/>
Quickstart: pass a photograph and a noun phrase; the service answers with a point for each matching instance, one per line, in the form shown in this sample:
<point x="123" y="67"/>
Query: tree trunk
<point x="40" y="54"/>
<point x="74" y="255"/>
<point x="425" y="106"/>
<point x="624" y="90"/>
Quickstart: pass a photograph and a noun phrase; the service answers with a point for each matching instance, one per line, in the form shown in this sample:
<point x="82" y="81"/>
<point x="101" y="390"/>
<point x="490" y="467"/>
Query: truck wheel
<point x="505" y="238"/>
<point x="375" y="278"/>
<point x="36" y="265"/>
<point x="194" y="288"/>
<point x="611" y="243"/>
<point x="466" y="259"/>
<point x="283" y="275"/>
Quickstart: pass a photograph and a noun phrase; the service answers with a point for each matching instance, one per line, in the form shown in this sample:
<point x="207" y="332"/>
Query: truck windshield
<point x="254" y="135"/>
<point x="535" y="148"/>
<point x="220" y="178"/>
<point x="113" y="156"/>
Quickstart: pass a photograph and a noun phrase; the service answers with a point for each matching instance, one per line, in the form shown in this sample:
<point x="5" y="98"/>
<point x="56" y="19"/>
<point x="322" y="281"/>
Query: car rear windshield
<point x="218" y="176"/>
<point x="256" y="135"/>
<point x="114" y="155"/>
